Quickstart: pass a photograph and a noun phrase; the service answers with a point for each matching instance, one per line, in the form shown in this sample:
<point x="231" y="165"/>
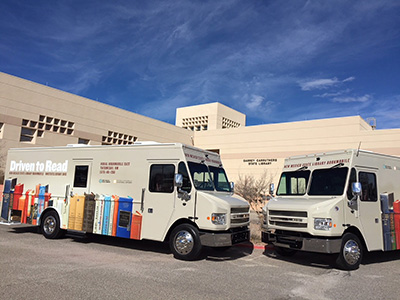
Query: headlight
<point x="218" y="219"/>
<point x="322" y="224"/>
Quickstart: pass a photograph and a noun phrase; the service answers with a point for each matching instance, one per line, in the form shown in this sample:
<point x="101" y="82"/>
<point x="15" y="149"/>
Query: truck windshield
<point x="293" y="183"/>
<point x="209" y="178"/>
<point x="328" y="182"/>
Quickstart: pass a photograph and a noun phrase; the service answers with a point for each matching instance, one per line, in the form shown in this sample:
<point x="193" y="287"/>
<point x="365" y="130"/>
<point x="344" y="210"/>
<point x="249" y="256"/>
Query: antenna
<point x="358" y="150"/>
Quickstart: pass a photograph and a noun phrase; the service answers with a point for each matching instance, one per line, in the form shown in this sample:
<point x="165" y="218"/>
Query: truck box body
<point x="315" y="205"/>
<point x="131" y="183"/>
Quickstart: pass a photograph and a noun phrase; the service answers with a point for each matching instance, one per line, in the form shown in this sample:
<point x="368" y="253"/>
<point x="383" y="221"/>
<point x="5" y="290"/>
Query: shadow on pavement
<point x="328" y="261"/>
<point x="310" y="259"/>
<point x="211" y="254"/>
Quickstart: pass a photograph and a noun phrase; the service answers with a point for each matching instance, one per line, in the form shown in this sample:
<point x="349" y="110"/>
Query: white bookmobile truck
<point x="341" y="202"/>
<point x="154" y="191"/>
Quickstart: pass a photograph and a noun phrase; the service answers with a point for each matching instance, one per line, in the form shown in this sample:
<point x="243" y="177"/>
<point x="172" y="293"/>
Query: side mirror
<point x="271" y="188"/>
<point x="232" y="186"/>
<point x="178" y="180"/>
<point x="356" y="188"/>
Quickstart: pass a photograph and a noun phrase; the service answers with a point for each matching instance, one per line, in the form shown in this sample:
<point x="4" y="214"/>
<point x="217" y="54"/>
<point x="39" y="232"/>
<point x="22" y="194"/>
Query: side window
<point x="187" y="186"/>
<point x="81" y="176"/>
<point x="368" y="186"/>
<point x="350" y="187"/>
<point x="161" y="178"/>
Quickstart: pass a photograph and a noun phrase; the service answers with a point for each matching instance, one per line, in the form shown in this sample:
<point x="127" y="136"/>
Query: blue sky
<point x="275" y="61"/>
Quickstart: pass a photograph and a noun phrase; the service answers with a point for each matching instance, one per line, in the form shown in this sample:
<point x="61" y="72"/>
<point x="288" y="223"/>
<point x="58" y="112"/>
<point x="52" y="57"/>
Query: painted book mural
<point x="93" y="213"/>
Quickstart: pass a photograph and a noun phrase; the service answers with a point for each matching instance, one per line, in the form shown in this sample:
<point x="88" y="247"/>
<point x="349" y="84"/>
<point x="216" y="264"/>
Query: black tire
<point x="50" y="225"/>
<point x="185" y="242"/>
<point x="351" y="252"/>
<point x="286" y="252"/>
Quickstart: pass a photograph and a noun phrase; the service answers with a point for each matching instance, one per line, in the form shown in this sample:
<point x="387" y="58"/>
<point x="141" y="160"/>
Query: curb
<point x="252" y="246"/>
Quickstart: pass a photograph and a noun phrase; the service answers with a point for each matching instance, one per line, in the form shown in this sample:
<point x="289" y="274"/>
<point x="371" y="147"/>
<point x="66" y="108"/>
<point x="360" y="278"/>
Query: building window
<point x="55" y="125"/>
<point x="227" y="123"/>
<point x="117" y="138"/>
<point x="1" y="130"/>
<point x="195" y="123"/>
<point x="27" y="135"/>
<point x="83" y="141"/>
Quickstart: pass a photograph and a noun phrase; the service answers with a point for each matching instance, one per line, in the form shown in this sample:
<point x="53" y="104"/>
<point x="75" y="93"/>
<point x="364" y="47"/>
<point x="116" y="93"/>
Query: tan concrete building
<point x="257" y="149"/>
<point x="32" y="114"/>
<point x="209" y="117"/>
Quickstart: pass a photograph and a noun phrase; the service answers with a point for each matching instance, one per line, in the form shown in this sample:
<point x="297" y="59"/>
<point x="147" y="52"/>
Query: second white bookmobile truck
<point x="162" y="192"/>
<point x="341" y="202"/>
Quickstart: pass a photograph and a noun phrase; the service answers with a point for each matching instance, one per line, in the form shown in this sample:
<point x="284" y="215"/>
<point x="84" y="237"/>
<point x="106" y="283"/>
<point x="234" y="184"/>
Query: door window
<point x="187" y="186"/>
<point x="161" y="178"/>
<point x="368" y="186"/>
<point x="352" y="179"/>
<point x="81" y="176"/>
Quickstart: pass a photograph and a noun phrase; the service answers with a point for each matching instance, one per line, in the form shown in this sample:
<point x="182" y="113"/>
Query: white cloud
<point x="364" y="98"/>
<point x="323" y="83"/>
<point x="351" y="78"/>
<point x="318" y="84"/>
<point x="255" y="102"/>
<point x="331" y="95"/>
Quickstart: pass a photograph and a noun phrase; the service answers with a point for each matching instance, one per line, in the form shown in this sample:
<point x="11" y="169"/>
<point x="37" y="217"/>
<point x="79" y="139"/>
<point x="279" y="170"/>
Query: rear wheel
<point x="185" y="242"/>
<point x="351" y="252"/>
<point x="50" y="226"/>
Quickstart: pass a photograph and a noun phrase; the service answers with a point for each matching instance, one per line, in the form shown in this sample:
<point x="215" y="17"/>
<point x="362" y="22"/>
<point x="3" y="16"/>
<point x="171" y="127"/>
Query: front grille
<point x="240" y="215"/>
<point x="302" y="214"/>
<point x="236" y="210"/>
<point x="289" y="219"/>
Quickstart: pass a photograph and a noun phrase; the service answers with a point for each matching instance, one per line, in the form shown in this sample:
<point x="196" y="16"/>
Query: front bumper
<point x="311" y="244"/>
<point x="224" y="239"/>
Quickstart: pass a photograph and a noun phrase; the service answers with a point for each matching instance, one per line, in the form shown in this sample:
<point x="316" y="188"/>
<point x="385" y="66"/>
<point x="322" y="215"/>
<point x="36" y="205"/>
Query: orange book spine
<point x="22" y="207"/>
<point x="115" y="217"/>
<point x="136" y="227"/>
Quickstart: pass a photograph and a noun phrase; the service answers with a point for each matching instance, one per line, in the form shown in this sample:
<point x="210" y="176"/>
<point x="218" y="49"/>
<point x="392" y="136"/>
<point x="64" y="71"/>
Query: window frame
<point x="164" y="187"/>
<point x="79" y="180"/>
<point x="374" y="189"/>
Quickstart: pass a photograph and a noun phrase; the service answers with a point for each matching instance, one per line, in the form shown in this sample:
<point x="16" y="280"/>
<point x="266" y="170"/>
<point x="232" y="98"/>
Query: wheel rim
<point x="351" y="252"/>
<point x="184" y="242"/>
<point x="49" y="225"/>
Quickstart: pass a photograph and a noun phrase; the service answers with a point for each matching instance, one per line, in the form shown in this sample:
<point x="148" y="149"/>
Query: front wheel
<point x="50" y="226"/>
<point x="185" y="242"/>
<point x="351" y="252"/>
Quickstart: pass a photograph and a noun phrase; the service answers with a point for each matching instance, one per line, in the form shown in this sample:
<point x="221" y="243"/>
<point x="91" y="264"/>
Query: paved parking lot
<point x="112" y="268"/>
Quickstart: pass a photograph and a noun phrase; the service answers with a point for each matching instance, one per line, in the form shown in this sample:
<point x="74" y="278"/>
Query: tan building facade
<point x="209" y="116"/>
<point x="34" y="115"/>
<point x="255" y="150"/>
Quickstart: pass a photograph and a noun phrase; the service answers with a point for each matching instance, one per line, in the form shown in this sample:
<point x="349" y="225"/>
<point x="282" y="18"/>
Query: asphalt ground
<point x="99" y="267"/>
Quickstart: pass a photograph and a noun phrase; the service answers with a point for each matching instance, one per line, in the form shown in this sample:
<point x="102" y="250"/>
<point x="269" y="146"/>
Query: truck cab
<point x="331" y="203"/>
